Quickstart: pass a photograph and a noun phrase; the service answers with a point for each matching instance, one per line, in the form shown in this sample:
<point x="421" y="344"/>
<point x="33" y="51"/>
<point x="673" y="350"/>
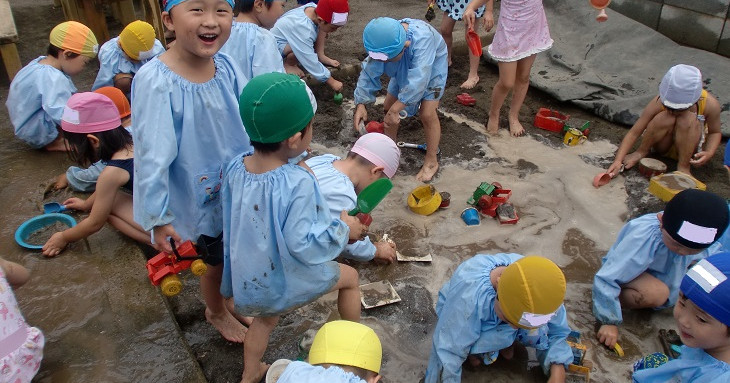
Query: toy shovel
<point x="53" y="207"/>
<point x="371" y="196"/>
<point x="475" y="44"/>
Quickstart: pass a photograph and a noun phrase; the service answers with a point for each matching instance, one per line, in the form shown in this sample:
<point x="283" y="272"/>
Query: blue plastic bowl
<point x="39" y="222"/>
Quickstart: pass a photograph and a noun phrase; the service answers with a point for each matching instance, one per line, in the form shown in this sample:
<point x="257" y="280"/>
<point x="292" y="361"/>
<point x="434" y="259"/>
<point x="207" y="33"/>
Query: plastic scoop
<point x="601" y="179"/>
<point x="475" y="44"/>
<point x="371" y="196"/>
<point x="53" y="207"/>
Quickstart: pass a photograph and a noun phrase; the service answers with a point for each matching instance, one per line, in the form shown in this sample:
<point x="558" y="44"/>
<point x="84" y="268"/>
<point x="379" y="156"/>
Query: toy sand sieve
<point x="38" y="223"/>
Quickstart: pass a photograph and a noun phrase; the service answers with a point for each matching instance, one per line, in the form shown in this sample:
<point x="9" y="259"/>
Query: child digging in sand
<point x="522" y="32"/>
<point x="40" y="90"/>
<point x="414" y="55"/>
<point x="186" y="129"/>
<point x="280" y="240"/>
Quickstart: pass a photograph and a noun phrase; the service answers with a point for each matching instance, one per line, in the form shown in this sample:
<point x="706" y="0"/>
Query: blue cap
<point x="384" y="38"/>
<point x="168" y="4"/>
<point x="706" y="285"/>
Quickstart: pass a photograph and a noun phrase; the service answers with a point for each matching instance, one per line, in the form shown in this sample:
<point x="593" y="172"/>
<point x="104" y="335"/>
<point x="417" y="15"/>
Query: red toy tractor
<point x="163" y="268"/>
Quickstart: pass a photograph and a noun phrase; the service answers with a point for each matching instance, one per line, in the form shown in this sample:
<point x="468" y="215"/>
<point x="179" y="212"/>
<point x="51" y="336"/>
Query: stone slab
<point x="705" y="31"/>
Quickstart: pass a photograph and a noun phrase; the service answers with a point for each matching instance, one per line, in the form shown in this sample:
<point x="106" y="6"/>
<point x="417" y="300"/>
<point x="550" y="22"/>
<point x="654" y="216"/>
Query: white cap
<point x="380" y="150"/>
<point x="681" y="87"/>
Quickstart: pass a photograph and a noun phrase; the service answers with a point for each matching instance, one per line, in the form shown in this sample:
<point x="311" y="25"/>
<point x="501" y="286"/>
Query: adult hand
<point x="161" y="235"/>
<point x="75" y="204"/>
<point x="361" y="115"/>
<point x="358" y="231"/>
<point x="384" y="252"/>
<point x="700" y="158"/>
<point x="54" y="245"/>
<point x="608" y="335"/>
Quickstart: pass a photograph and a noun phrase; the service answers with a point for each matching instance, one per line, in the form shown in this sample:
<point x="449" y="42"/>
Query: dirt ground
<point x="562" y="217"/>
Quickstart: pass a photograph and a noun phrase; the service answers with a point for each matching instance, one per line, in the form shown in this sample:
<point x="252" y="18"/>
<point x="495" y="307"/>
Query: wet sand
<point x="104" y="322"/>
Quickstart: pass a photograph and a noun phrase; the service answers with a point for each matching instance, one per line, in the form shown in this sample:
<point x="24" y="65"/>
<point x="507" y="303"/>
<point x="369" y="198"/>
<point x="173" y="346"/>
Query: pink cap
<point x="380" y="150"/>
<point x="90" y="112"/>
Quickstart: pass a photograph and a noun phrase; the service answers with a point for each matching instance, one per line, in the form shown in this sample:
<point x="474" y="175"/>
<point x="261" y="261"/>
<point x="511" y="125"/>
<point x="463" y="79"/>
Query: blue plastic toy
<point x="37" y="223"/>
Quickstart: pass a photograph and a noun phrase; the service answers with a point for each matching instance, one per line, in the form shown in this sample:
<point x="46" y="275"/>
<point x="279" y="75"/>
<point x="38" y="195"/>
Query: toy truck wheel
<point x="171" y="285"/>
<point x="198" y="267"/>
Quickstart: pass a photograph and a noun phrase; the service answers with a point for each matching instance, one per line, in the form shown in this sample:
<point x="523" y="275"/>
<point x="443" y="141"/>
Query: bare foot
<point x="474" y="360"/>
<point x="293" y="69"/>
<point x="685" y="170"/>
<point x="231" y="309"/>
<point x="428" y="170"/>
<point x="492" y="125"/>
<point x="632" y="159"/>
<point x="255" y="376"/>
<point x="330" y="62"/>
<point x="449" y="62"/>
<point x="470" y="82"/>
<point x="515" y="128"/>
<point x="508" y="352"/>
<point x="227" y="325"/>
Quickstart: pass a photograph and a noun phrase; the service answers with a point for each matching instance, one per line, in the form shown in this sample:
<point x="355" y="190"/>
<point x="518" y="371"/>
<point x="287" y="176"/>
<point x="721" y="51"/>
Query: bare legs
<point x="447" y="29"/>
<point x="216" y="311"/>
<point x="121" y="218"/>
<point x="646" y="291"/>
<point x="515" y="76"/>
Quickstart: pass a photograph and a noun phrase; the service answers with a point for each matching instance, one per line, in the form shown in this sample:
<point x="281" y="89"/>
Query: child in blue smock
<point x="184" y="105"/>
<point x="492" y="301"/>
<point x="280" y="241"/>
<point x="300" y="29"/>
<point x="373" y="156"/>
<point x="341" y="352"/>
<point x="41" y="89"/>
<point x="414" y="55"/>
<point x="251" y="44"/>
<point x="121" y="57"/>
<point x="84" y="179"/>
<point x="645" y="265"/>
<point x="703" y="316"/>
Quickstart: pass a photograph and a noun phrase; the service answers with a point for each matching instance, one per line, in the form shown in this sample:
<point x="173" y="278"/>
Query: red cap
<point x="333" y="11"/>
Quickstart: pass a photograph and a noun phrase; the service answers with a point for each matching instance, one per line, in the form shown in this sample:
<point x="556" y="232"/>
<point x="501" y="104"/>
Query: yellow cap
<point x="137" y="40"/>
<point x="348" y="344"/>
<point x="75" y="37"/>
<point x="530" y="290"/>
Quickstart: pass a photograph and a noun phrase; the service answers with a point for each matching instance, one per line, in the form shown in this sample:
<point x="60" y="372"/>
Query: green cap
<point x="275" y="106"/>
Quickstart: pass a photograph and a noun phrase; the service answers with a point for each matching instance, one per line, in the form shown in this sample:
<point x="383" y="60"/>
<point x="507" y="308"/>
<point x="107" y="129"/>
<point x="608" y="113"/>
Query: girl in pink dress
<point x="21" y="346"/>
<point x="522" y="32"/>
<point x="453" y="12"/>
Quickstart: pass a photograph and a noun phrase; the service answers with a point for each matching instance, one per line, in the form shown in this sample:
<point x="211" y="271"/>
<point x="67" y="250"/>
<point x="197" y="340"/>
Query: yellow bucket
<point x="424" y="200"/>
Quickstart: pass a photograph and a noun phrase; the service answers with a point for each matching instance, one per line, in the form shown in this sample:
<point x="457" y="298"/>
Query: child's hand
<point x="488" y="21"/>
<point x="54" y="245"/>
<point x="608" y="335"/>
<point x="76" y="204"/>
<point x="469" y="17"/>
<point x="334" y="84"/>
<point x="384" y="252"/>
<point x="391" y="119"/>
<point x="557" y="373"/>
<point x="61" y="182"/>
<point x="358" y="231"/>
<point x="700" y="158"/>
<point x="361" y="115"/>
<point x="161" y="235"/>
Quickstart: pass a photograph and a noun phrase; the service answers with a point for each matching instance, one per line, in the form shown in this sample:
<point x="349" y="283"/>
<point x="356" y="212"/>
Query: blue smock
<point x="254" y="49"/>
<point x="297" y="30"/>
<point x="339" y="192"/>
<point x="722" y="243"/>
<point x="467" y="323"/>
<point x="279" y="239"/>
<point x="301" y="372"/>
<point x="36" y="100"/>
<point x="693" y="366"/>
<point x="419" y="75"/>
<point x="113" y="60"/>
<point x="84" y="180"/>
<point x="639" y="248"/>
<point x="184" y="133"/>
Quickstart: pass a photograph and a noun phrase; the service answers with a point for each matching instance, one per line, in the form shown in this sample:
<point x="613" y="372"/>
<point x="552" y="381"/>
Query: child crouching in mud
<point x="280" y="241"/>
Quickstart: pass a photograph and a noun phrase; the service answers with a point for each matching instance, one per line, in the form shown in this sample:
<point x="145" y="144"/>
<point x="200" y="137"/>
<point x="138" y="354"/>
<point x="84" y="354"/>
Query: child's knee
<point x="349" y="276"/>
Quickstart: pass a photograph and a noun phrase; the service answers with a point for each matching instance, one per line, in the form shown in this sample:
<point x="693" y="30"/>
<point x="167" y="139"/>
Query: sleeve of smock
<point x="627" y="259"/>
<point x="369" y="81"/>
<point x="155" y="147"/>
<point x="84" y="180"/>
<point x="303" y="47"/>
<point x="54" y="97"/>
<point x="266" y="56"/>
<point x="157" y="48"/>
<point x="457" y="329"/>
<point x="419" y="74"/>
<point x="107" y="67"/>
<point x="311" y="235"/>
<point x="558" y="351"/>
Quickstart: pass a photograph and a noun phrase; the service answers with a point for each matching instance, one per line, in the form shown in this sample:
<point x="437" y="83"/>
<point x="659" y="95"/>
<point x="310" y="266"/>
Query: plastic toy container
<point x="550" y="120"/>
<point x="37" y="223"/>
<point x="424" y="200"/>
<point x="666" y="186"/>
